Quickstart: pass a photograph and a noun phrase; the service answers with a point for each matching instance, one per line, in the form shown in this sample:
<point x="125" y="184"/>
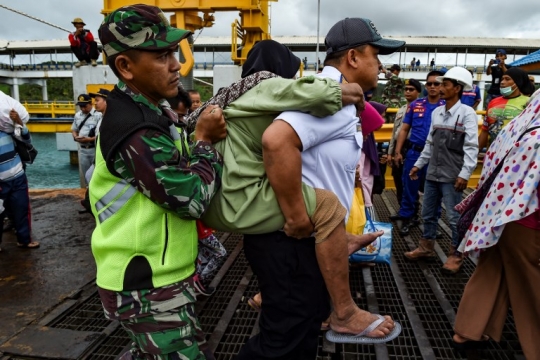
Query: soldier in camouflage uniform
<point x="148" y="188"/>
<point x="393" y="94"/>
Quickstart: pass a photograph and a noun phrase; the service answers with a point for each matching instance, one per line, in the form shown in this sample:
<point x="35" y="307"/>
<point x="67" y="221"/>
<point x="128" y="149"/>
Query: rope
<point x="34" y="18"/>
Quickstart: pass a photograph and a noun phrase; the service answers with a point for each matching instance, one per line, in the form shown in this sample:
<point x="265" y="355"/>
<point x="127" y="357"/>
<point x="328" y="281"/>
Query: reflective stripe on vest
<point x="180" y="140"/>
<point x="113" y="201"/>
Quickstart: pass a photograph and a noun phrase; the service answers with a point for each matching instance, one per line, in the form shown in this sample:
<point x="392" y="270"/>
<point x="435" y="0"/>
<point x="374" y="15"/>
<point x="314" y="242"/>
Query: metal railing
<point x="51" y="108"/>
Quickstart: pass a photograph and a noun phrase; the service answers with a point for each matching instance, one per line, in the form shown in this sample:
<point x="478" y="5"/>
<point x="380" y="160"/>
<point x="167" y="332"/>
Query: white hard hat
<point x="461" y="75"/>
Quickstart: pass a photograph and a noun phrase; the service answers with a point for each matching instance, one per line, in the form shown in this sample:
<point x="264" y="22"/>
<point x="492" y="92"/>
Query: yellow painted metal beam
<point x="254" y="22"/>
<point x="198" y="5"/>
<point x="49" y="127"/>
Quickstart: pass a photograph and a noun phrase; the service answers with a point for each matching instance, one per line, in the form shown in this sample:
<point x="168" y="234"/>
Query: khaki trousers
<point x="507" y="274"/>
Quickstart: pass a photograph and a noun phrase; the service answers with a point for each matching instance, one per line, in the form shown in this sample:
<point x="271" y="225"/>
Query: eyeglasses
<point x="410" y="89"/>
<point x="433" y="83"/>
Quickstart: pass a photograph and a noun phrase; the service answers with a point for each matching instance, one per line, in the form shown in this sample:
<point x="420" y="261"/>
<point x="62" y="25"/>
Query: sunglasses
<point x="433" y="84"/>
<point x="410" y="89"/>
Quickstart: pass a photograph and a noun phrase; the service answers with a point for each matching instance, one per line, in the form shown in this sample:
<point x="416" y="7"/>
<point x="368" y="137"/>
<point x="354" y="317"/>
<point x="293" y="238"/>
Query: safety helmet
<point x="461" y="75"/>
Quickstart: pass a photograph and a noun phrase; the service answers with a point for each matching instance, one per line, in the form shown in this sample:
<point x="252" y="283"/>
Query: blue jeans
<point x="15" y="195"/>
<point x="434" y="192"/>
<point x="409" y="199"/>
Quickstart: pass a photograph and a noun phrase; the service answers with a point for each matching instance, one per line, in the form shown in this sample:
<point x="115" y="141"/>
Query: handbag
<point x="27" y="152"/>
<point x="357" y="214"/>
<point x="470" y="205"/>
<point x="379" y="251"/>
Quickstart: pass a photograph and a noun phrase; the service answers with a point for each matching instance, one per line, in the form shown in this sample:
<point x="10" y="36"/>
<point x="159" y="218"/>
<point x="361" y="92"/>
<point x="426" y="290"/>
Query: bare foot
<point x="255" y="302"/>
<point x="356" y="242"/>
<point x="358" y="321"/>
<point x="458" y="339"/>
<point x="258" y="298"/>
<point x="461" y="340"/>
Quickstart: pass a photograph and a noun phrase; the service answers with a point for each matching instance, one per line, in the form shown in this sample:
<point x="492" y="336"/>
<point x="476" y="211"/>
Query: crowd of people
<point x="276" y="159"/>
<point x="433" y="151"/>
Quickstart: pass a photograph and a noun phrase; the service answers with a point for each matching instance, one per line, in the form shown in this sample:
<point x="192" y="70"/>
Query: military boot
<point x="423" y="251"/>
<point x="453" y="262"/>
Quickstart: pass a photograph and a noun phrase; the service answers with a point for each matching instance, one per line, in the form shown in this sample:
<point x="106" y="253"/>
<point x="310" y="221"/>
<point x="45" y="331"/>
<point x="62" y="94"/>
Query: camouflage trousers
<point x="161" y="322"/>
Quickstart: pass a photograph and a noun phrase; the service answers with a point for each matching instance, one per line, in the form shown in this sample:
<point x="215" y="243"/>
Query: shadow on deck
<point x="416" y="294"/>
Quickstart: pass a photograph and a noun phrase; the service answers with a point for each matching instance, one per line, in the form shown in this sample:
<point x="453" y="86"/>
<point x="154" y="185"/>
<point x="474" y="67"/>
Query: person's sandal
<point x="31" y="245"/>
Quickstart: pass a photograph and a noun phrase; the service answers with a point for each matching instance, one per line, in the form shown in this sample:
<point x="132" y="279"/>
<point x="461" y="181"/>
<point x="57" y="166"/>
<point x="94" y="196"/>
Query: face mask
<point x="507" y="91"/>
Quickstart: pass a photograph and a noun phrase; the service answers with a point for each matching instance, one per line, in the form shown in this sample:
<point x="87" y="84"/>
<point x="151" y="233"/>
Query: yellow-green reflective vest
<point x="129" y="224"/>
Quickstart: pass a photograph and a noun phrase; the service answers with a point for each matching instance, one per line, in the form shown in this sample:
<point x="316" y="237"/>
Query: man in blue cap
<point x="294" y="304"/>
<point x="496" y="69"/>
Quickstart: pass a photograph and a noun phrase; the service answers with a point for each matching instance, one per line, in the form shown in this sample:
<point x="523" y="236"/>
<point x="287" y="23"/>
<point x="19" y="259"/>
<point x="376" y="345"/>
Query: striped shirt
<point x="10" y="162"/>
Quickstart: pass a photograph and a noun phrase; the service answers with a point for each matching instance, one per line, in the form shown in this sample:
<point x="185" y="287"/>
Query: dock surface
<point x="49" y="307"/>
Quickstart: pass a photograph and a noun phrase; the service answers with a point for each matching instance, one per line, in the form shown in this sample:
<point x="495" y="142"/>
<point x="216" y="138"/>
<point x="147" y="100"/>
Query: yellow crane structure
<point x="254" y="24"/>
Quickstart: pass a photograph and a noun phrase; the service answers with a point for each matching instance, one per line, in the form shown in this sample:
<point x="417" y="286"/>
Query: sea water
<point x="51" y="169"/>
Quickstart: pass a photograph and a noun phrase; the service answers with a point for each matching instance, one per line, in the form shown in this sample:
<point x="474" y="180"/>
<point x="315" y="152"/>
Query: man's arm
<point x="283" y="163"/>
<point x="319" y="97"/>
<point x="470" y="146"/>
<point x="403" y="133"/>
<point x="484" y="133"/>
<point x="424" y="157"/>
<point x="19" y="109"/>
<point x="488" y="70"/>
<point x="88" y="36"/>
<point x="398" y="122"/>
<point x="74" y="130"/>
<point x="150" y="161"/>
<point x="477" y="98"/>
<point x="352" y="94"/>
<point x="73" y="40"/>
<point x="24" y="135"/>
<point x="483" y="139"/>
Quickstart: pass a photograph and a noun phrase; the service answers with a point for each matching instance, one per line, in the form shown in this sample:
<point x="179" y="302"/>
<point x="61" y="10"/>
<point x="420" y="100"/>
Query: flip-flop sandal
<point x="254" y="304"/>
<point x="362" y="338"/>
<point x="31" y="245"/>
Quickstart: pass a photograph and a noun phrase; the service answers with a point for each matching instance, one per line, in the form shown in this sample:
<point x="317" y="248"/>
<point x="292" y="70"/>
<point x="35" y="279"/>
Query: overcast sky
<point x="483" y="18"/>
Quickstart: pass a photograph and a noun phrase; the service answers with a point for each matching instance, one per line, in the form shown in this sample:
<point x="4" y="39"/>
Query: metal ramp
<point x="417" y="295"/>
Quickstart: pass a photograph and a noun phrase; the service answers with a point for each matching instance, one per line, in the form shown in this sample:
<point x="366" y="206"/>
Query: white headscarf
<point x="513" y="194"/>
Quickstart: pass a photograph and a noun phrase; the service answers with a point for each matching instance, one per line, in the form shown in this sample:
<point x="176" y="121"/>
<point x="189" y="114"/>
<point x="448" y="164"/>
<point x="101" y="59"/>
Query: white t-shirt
<point x="7" y="103"/>
<point x="331" y="147"/>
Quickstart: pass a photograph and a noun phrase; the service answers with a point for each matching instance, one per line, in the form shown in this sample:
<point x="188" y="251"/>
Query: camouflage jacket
<point x="393" y="94"/>
<point x="183" y="182"/>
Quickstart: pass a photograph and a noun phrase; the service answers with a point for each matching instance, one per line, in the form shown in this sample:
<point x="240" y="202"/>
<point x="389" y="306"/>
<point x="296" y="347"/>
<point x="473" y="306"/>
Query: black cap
<point x="395" y="67"/>
<point x="101" y="92"/>
<point x="352" y="32"/>
<point x="84" y="99"/>
<point x="414" y="83"/>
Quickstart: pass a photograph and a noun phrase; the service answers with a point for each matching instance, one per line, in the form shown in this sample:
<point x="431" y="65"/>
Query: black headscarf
<point x="521" y="78"/>
<point x="269" y="55"/>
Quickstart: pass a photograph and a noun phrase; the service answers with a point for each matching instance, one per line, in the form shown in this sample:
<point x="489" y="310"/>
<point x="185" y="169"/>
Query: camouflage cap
<point x="138" y="26"/>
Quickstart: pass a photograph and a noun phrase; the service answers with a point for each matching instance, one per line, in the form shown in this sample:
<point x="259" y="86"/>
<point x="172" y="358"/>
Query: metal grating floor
<point x="417" y="295"/>
<point x="86" y="316"/>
